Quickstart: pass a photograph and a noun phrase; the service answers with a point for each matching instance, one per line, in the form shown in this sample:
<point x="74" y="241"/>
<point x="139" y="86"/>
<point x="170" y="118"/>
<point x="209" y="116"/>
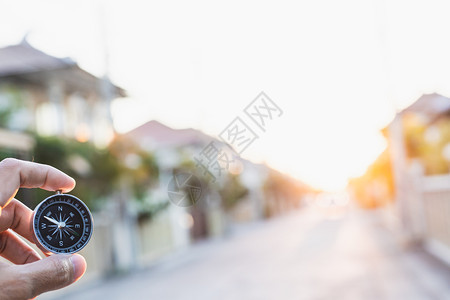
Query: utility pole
<point x="124" y="223"/>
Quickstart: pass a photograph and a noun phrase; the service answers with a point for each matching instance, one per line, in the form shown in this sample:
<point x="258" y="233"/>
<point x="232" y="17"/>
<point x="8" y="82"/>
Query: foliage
<point x="11" y="102"/>
<point x="95" y="170"/>
<point x="229" y="186"/>
<point x="376" y="187"/>
<point x="148" y="210"/>
<point x="427" y="142"/>
<point x="136" y="164"/>
<point x="232" y="191"/>
<point x="279" y="188"/>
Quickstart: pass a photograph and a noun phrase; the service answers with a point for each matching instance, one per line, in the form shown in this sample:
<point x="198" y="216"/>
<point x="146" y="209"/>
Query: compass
<point x="62" y="223"/>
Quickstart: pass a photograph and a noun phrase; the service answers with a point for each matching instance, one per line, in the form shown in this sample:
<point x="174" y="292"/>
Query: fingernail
<point x="79" y="266"/>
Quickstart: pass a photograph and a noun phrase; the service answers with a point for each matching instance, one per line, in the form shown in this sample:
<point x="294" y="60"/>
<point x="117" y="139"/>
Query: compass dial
<point x="62" y="223"/>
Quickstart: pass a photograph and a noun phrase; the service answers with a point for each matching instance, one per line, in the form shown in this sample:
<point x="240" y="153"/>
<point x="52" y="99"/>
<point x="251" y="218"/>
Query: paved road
<point x="300" y="256"/>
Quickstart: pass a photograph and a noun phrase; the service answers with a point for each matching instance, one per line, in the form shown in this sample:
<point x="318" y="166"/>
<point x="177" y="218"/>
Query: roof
<point x="23" y="61"/>
<point x="431" y="105"/>
<point x="154" y="134"/>
<point x="23" y="58"/>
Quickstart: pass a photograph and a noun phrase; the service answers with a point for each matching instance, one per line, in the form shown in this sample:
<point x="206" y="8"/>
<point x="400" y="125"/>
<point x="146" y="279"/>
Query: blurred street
<point x="299" y="256"/>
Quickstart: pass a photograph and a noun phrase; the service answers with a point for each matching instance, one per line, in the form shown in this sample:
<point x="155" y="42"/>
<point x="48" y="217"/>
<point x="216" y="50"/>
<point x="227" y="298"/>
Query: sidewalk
<point x="300" y="256"/>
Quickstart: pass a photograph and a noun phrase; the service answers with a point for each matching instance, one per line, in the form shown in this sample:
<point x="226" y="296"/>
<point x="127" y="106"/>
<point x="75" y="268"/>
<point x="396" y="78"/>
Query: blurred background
<point x="343" y="190"/>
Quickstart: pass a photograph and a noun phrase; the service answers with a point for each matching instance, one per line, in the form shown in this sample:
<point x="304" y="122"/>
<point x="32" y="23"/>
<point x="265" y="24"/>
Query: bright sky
<point x="338" y="69"/>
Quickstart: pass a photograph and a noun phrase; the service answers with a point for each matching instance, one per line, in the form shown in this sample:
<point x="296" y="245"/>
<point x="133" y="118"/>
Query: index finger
<point x="16" y="173"/>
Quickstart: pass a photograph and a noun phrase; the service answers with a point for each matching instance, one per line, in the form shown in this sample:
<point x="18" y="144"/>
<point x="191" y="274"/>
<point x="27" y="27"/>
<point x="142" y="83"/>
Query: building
<point x="53" y="96"/>
<point x="173" y="149"/>
<point x="413" y="175"/>
<point x="240" y="194"/>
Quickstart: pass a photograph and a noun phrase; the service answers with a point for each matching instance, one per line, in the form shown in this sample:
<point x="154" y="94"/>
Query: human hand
<point x="30" y="275"/>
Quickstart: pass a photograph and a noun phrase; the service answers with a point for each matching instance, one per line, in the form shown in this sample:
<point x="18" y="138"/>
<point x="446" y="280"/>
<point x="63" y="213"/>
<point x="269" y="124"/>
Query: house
<point x="168" y="143"/>
<point x="174" y="148"/>
<point x="413" y="175"/>
<point x="54" y="96"/>
<point x="212" y="215"/>
<point x="429" y="106"/>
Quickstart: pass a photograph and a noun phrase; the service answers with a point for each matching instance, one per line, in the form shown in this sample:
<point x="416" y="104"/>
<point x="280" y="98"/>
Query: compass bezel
<point x="37" y="215"/>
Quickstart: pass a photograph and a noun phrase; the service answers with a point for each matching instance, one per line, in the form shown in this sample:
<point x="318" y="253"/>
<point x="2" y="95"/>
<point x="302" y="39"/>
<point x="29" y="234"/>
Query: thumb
<point x="53" y="272"/>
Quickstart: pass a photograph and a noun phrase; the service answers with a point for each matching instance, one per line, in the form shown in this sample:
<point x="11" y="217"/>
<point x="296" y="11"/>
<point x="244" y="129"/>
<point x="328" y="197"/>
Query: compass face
<point x="62" y="223"/>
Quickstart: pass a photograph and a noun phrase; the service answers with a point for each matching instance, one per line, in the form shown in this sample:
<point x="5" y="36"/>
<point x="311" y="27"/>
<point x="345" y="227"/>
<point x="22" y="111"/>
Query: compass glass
<point x="62" y="224"/>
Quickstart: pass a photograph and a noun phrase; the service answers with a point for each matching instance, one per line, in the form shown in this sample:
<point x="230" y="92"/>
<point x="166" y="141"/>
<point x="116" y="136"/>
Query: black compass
<point x="62" y="223"/>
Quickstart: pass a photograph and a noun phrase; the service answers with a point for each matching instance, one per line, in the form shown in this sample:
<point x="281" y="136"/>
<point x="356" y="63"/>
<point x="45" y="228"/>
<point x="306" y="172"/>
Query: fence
<point x="436" y="208"/>
<point x="151" y="238"/>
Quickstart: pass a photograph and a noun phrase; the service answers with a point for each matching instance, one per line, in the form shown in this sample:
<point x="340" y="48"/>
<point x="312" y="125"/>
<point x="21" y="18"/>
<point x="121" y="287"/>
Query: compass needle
<point x="73" y="231"/>
<point x="52" y="220"/>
